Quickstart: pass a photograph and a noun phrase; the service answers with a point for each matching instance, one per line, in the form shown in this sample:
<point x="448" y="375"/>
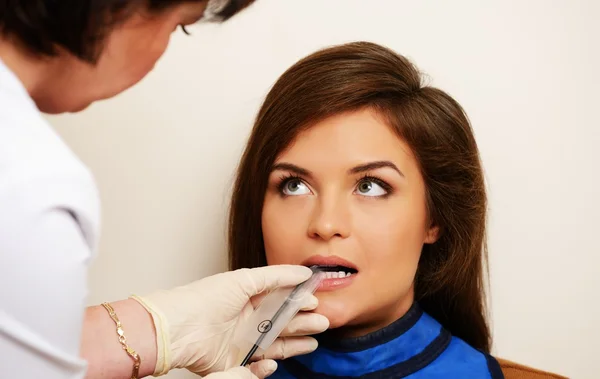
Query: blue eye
<point x="371" y="187"/>
<point x="294" y="187"/>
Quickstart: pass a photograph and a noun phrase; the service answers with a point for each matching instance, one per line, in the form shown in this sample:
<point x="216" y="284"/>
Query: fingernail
<point x="301" y="272"/>
<point x="323" y="323"/>
<point x="304" y="271"/>
<point x="311" y="345"/>
<point x="270" y="367"/>
<point x="311" y="303"/>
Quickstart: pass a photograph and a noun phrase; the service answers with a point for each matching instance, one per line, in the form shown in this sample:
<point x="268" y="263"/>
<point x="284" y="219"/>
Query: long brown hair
<point x="450" y="277"/>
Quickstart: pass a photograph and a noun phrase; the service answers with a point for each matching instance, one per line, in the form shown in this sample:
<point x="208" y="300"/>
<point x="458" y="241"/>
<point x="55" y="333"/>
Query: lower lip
<point x="333" y="284"/>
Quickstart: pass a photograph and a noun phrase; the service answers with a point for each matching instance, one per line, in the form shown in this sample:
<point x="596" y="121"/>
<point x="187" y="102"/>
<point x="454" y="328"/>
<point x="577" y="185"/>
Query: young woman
<point x="356" y="166"/>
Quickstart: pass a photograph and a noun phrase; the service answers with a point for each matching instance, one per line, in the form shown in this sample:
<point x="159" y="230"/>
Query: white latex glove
<point x="234" y="373"/>
<point x="195" y="324"/>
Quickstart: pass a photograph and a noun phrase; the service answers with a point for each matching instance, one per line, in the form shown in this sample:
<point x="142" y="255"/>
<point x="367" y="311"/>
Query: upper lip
<point x="331" y="260"/>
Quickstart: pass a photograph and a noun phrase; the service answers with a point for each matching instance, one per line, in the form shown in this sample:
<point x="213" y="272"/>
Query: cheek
<point x="146" y="55"/>
<point x="284" y="230"/>
<point x="391" y="230"/>
<point x="127" y="58"/>
<point x="391" y="236"/>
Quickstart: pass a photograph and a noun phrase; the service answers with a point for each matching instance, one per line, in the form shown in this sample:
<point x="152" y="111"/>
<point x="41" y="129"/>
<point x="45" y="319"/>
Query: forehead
<point x="348" y="139"/>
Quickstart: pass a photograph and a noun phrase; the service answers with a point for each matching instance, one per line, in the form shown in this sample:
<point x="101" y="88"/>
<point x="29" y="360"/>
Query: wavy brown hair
<point x="450" y="277"/>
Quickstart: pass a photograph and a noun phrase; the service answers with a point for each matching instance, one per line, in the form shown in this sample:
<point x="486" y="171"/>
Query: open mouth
<point x="337" y="271"/>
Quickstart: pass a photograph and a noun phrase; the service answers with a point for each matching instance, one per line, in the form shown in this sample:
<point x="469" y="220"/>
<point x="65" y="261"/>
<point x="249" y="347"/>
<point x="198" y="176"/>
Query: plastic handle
<point x="273" y="314"/>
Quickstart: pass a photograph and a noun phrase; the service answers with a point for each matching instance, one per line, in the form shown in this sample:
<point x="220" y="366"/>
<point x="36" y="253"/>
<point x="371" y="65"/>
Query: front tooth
<point x="329" y="275"/>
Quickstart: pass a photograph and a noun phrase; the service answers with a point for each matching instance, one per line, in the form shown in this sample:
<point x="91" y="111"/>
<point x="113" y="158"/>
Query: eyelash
<point x="185" y="30"/>
<point x="286" y="178"/>
<point x="380" y="182"/>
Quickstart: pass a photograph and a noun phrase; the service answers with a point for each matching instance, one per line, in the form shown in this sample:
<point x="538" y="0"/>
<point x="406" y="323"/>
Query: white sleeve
<point x="42" y="300"/>
<point x="49" y="226"/>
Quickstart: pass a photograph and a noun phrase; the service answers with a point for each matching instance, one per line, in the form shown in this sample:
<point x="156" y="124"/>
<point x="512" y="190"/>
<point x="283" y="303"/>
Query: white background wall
<point x="526" y="72"/>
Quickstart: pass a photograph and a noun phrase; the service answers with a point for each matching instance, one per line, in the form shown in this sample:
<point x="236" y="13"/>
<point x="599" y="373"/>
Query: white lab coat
<point x="49" y="217"/>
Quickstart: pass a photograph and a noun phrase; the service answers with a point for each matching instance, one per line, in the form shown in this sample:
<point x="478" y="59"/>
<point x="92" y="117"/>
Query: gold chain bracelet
<point x="137" y="360"/>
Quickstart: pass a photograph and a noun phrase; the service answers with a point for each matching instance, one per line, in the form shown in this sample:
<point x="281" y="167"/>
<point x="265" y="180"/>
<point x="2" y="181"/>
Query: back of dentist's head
<point x="93" y="49"/>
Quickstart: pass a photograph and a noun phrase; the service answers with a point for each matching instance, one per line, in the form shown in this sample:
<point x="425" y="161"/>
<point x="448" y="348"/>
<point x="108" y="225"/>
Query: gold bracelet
<point x="137" y="360"/>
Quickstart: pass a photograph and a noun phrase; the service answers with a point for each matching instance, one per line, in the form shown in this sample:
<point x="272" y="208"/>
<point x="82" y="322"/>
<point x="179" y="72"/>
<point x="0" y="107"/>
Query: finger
<point x="311" y="302"/>
<point x="256" y="300"/>
<point x="257" y="280"/>
<point x="285" y="347"/>
<point x="305" y="323"/>
<point x="246" y="311"/>
<point x="263" y="368"/>
<point x="233" y="373"/>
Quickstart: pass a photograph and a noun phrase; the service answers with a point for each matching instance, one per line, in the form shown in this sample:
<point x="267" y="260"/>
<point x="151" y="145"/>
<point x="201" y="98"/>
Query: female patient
<point x="354" y="165"/>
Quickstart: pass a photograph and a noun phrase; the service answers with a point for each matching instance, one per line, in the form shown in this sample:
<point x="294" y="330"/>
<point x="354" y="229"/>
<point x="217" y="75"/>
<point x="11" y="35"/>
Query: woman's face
<point x="130" y="52"/>
<point x="348" y="193"/>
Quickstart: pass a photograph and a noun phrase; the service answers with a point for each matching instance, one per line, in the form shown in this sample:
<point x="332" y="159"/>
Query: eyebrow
<point x="374" y="166"/>
<point x="293" y="168"/>
<point x="354" y="170"/>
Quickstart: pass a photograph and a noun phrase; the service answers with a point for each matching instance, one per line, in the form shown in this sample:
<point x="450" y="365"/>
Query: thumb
<point x="233" y="373"/>
<point x="263" y="368"/>
<point x="258" y="280"/>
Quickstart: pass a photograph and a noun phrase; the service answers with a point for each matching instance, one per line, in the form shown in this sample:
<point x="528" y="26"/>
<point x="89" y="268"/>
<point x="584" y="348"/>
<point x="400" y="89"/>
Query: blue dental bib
<point x="415" y="346"/>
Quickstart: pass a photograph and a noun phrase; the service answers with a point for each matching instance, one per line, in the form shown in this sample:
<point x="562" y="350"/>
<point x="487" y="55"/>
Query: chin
<point x="337" y="311"/>
<point x="55" y="105"/>
<point x="60" y="110"/>
<point x="80" y="108"/>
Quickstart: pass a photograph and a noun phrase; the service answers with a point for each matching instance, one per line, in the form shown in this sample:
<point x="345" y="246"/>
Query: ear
<point x="432" y="235"/>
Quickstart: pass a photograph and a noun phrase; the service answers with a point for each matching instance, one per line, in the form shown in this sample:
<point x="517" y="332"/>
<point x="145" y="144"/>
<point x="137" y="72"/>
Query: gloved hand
<point x="234" y="373"/>
<point x="195" y="324"/>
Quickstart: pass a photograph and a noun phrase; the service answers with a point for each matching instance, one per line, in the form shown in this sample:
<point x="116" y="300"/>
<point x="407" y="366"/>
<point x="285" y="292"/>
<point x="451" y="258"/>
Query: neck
<point x="377" y="337"/>
<point x="373" y="321"/>
<point x="33" y="72"/>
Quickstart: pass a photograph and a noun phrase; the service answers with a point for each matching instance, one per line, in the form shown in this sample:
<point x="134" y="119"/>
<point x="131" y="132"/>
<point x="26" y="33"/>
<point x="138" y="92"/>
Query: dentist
<point x="61" y="56"/>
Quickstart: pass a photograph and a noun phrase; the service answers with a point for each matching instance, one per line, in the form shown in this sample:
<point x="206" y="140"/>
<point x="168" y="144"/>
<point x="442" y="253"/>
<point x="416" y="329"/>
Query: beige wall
<point x="164" y="152"/>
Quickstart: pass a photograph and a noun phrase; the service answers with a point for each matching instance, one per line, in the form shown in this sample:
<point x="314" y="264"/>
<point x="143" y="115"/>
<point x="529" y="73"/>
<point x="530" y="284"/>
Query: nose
<point x="330" y="219"/>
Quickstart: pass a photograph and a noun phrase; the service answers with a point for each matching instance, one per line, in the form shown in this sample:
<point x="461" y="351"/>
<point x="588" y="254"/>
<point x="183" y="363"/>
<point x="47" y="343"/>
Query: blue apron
<point x="415" y="346"/>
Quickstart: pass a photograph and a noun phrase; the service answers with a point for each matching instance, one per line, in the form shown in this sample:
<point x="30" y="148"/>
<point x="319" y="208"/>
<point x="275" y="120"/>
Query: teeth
<point x="337" y="275"/>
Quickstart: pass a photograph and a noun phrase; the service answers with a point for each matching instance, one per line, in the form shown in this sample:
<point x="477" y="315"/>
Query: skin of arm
<point x="100" y="345"/>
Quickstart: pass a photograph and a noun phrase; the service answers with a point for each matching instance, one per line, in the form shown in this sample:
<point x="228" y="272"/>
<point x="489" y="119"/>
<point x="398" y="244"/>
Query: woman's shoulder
<point x="512" y="370"/>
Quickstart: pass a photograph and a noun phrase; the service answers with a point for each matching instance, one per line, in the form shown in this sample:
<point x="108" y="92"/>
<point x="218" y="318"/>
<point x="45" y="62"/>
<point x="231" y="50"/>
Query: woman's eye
<point x="370" y="188"/>
<point x="295" y="187"/>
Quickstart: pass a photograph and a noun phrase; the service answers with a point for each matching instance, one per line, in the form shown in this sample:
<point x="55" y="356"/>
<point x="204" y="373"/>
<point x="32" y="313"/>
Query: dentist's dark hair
<point x="450" y="277"/>
<point x="44" y="27"/>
